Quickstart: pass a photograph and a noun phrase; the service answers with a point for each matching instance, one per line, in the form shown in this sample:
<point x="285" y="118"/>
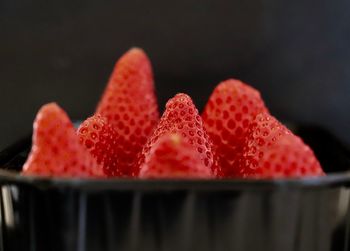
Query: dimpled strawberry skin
<point x="99" y="138"/>
<point x="173" y="157"/>
<point x="272" y="151"/>
<point x="181" y="117"/>
<point x="130" y="106"/>
<point x="56" y="150"/>
<point x="230" y="109"/>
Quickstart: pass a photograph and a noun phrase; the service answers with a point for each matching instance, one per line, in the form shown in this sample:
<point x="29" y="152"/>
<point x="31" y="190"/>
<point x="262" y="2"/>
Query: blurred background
<point x="297" y="53"/>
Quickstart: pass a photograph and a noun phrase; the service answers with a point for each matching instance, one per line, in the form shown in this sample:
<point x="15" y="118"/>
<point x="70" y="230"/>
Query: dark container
<point x="217" y="215"/>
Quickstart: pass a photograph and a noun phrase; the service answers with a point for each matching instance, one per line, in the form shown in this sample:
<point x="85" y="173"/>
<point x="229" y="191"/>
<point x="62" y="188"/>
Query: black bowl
<point x="118" y="214"/>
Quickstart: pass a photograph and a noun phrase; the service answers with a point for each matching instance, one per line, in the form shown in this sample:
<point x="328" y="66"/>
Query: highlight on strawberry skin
<point x="56" y="150"/>
<point x="173" y="157"/>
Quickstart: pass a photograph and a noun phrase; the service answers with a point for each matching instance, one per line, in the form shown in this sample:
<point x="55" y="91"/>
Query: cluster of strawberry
<point x="235" y="137"/>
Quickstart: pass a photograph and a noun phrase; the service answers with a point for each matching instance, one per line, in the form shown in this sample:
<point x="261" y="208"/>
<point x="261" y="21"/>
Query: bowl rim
<point x="97" y="184"/>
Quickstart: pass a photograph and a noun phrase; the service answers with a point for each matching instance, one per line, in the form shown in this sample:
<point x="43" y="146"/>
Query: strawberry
<point x="181" y="117"/>
<point x="230" y="109"/>
<point x="272" y="151"/>
<point x="56" y="150"/>
<point x="130" y="106"/>
<point x="99" y="138"/>
<point x="173" y="157"/>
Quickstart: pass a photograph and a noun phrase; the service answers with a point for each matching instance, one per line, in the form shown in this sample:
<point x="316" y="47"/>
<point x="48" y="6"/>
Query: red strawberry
<point x="130" y="106"/>
<point x="100" y="139"/>
<point x="181" y="117"/>
<point x="230" y="109"/>
<point x="173" y="157"/>
<point x="272" y="151"/>
<point x="56" y="150"/>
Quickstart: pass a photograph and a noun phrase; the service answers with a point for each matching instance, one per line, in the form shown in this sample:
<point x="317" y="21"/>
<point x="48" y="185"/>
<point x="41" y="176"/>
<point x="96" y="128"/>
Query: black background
<point x="297" y="53"/>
